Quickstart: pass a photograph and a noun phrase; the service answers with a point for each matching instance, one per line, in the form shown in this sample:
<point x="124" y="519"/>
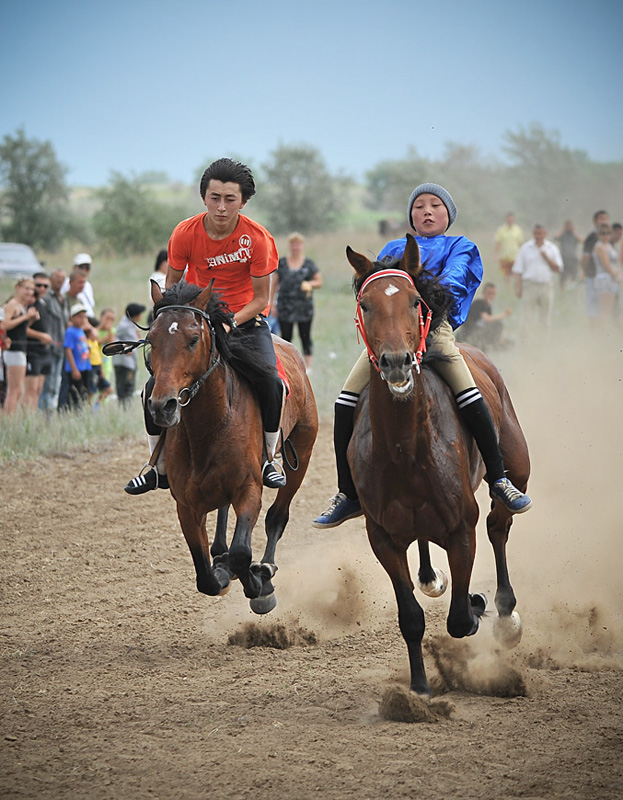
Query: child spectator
<point x="106" y="334"/>
<point x="125" y="365"/>
<point x="98" y="385"/>
<point x="77" y="359"/>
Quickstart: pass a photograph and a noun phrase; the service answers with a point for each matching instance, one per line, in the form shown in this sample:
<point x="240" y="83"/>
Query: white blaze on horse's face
<point x="391" y="289"/>
<point x="173" y="328"/>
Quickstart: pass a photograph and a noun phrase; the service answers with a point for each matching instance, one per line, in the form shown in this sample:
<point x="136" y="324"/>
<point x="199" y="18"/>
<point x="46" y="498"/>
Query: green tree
<point x="544" y="174"/>
<point x="390" y="182"/>
<point x="300" y="193"/>
<point x="34" y="205"/>
<point x="130" y="220"/>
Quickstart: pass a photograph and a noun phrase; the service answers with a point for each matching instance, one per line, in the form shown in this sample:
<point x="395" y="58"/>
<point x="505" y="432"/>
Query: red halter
<point x="424" y="326"/>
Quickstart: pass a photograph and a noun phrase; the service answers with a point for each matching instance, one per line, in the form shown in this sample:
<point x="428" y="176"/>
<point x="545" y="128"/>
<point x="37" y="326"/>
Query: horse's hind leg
<point x="410" y="613"/>
<point x="430" y="580"/>
<point x="507" y="627"/>
<point x="278" y="515"/>
<point x="465" y="610"/>
<point x="219" y="550"/>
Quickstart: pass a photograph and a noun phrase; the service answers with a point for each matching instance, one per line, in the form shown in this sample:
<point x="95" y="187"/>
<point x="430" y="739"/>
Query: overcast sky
<point x="137" y="85"/>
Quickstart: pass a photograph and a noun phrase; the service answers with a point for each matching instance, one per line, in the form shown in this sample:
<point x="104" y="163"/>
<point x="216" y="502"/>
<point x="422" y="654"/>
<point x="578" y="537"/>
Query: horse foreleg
<point x="410" y="614"/>
<point x="430" y="580"/>
<point x="507" y="627"/>
<point x="465" y="610"/>
<point x="209" y="581"/>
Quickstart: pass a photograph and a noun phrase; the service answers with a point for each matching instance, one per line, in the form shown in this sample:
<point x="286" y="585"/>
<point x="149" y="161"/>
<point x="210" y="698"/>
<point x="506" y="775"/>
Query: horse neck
<point x="398" y="423"/>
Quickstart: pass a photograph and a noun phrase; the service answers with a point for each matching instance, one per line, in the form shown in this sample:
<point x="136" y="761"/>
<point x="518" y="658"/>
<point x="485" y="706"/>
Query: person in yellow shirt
<point x="99" y="385"/>
<point x="508" y="239"/>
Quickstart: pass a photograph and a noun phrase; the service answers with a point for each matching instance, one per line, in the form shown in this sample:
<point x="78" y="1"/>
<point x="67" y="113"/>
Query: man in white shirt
<point x="82" y="262"/>
<point x="534" y="268"/>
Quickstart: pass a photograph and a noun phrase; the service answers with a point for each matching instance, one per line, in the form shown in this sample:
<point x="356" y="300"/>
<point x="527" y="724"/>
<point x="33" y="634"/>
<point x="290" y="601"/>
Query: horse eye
<point x="363" y="306"/>
<point x="193" y="342"/>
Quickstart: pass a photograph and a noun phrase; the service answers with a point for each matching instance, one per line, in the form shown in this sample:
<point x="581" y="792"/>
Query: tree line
<point x="541" y="180"/>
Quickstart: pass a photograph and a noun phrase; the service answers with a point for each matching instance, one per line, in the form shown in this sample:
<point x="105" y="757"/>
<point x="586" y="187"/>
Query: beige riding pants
<point x="454" y="371"/>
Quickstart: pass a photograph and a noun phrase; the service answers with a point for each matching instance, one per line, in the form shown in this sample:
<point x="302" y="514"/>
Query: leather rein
<point x="423" y="325"/>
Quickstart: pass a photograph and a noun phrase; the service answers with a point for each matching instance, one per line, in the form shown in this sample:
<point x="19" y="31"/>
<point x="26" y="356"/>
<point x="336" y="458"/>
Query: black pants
<point x="287" y="329"/>
<point x="269" y="390"/>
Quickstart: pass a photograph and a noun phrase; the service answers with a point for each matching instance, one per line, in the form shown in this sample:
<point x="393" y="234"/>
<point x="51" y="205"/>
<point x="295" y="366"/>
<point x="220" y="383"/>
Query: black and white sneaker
<point x="272" y="475"/>
<point x="146" y="483"/>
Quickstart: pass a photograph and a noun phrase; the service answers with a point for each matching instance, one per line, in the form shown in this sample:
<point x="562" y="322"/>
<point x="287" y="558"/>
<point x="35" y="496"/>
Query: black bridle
<point x="214" y="358"/>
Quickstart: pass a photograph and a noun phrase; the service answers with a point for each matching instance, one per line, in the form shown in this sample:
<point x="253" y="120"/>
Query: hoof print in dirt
<point x="403" y="705"/>
<point x="277" y="636"/>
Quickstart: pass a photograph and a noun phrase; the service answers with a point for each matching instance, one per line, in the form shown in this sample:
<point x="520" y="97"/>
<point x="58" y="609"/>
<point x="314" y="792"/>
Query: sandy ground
<point x="119" y="680"/>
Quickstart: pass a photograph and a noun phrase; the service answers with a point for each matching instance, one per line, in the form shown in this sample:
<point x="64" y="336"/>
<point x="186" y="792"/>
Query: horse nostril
<point x="407" y="360"/>
<point x="170" y="406"/>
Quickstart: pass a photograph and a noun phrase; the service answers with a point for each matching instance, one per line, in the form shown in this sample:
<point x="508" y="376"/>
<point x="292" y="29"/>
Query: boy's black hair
<point x="229" y="171"/>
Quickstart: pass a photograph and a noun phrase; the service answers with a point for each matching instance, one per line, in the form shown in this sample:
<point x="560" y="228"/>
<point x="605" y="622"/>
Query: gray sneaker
<point x="340" y="509"/>
<point x="510" y="497"/>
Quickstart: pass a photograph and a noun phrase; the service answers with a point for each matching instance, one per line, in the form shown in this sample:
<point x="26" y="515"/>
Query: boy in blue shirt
<point x="455" y="260"/>
<point x="77" y="357"/>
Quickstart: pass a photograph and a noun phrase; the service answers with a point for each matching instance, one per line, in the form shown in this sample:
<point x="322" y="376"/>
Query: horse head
<point x="389" y="315"/>
<point x="182" y="349"/>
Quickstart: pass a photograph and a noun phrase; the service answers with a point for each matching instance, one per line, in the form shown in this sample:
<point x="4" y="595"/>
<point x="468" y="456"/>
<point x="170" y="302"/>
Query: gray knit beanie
<point x="438" y="191"/>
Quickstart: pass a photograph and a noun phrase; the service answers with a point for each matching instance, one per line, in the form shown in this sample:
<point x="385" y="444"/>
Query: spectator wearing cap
<point x="83" y="263"/>
<point x="125" y="365"/>
<point x="77" y="357"/>
<point x="456" y="263"/>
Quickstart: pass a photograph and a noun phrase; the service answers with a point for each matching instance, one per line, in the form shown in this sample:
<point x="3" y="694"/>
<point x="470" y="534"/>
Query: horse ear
<point x="156" y="291"/>
<point x="359" y="263"/>
<point x="202" y="300"/>
<point x="410" y="261"/>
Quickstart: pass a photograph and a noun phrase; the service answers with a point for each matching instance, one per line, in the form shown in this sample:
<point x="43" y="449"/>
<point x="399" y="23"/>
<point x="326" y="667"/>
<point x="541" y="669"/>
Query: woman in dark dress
<point x="297" y="277"/>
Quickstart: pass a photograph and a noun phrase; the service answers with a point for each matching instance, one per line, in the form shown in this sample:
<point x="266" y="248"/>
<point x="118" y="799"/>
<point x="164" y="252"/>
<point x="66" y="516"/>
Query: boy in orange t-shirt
<point x="240" y="255"/>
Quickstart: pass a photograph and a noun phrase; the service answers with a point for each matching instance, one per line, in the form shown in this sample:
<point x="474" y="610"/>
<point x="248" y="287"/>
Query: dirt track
<point x="118" y="679"/>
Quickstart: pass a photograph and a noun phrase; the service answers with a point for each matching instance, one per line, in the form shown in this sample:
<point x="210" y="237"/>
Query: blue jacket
<point x="455" y="260"/>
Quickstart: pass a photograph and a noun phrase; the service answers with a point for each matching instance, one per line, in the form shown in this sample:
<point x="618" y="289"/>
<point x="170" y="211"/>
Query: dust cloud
<point x="565" y="555"/>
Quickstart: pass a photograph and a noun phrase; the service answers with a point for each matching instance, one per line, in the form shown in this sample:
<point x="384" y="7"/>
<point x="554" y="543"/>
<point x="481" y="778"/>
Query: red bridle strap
<point x="423" y="325"/>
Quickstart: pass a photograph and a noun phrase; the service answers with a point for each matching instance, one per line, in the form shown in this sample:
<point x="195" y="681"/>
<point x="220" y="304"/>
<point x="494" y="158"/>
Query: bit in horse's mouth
<point x="402" y="390"/>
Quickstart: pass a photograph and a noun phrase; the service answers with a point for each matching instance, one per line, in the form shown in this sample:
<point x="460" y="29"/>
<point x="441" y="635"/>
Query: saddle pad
<point x="282" y="374"/>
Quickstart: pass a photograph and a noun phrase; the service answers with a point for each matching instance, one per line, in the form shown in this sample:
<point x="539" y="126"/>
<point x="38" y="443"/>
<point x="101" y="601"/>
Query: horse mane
<point x="434" y="294"/>
<point x="234" y="348"/>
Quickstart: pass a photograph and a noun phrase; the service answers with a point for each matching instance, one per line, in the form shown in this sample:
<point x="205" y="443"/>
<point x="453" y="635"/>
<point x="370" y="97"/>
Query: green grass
<point x="119" y="281"/>
<point x="32" y="434"/>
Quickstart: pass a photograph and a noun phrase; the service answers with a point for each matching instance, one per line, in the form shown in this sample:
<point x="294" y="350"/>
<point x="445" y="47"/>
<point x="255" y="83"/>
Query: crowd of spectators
<point x="51" y="340"/>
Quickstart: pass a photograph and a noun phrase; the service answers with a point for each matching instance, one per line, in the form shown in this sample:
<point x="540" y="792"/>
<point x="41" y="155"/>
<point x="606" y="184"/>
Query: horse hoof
<point x="224" y="590"/>
<point x="479" y="603"/>
<point x="435" y="588"/>
<point x="263" y="604"/>
<point x="508" y="630"/>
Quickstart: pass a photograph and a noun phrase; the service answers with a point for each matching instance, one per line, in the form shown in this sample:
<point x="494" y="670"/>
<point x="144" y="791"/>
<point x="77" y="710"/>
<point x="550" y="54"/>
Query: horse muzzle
<point x="165" y="411"/>
<point x="396" y="370"/>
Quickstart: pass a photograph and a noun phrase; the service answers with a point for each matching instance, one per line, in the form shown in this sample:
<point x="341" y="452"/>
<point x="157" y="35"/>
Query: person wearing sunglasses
<point x="38" y="356"/>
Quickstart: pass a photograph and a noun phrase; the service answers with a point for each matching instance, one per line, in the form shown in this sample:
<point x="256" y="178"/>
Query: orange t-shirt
<point x="250" y="251"/>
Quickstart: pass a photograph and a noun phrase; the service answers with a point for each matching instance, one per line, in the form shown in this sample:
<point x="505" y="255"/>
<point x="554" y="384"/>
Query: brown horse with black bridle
<point x="203" y="395"/>
<point x="414" y="464"/>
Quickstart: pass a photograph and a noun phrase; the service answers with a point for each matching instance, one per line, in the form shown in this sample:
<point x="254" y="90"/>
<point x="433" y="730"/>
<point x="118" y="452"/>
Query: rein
<point x="213" y="361"/>
<point x="423" y="325"/>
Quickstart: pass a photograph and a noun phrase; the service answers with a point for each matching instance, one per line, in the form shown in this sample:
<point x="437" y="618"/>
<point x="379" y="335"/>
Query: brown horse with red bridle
<point x="414" y="464"/>
<point x="203" y="395"/>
